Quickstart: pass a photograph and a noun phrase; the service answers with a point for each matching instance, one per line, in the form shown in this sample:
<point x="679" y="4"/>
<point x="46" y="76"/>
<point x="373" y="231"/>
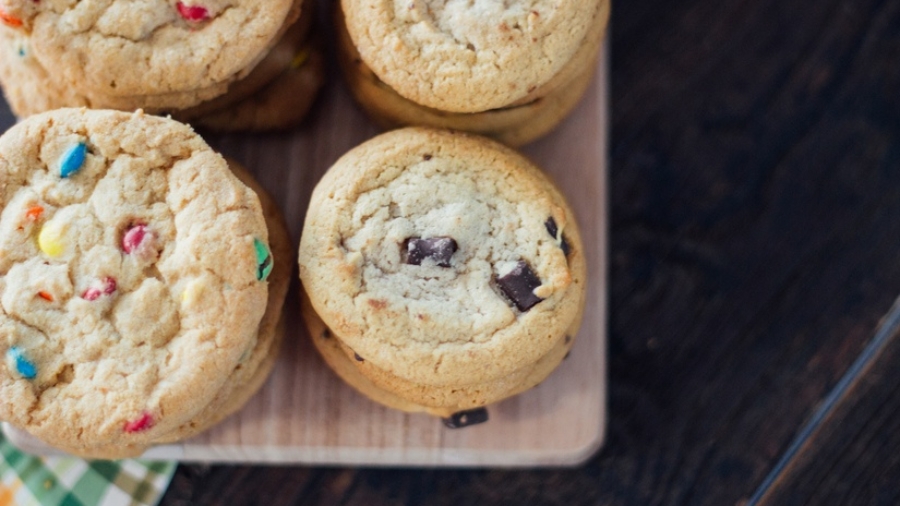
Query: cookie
<point x="254" y="367"/>
<point x="27" y="86"/>
<point x="443" y="401"/>
<point x="514" y="124"/>
<point x="32" y="85"/>
<point x="464" y="56"/>
<point x="156" y="47"/>
<point x="330" y="350"/>
<point x="466" y="286"/>
<point x="294" y="62"/>
<point x="133" y="277"/>
<point x="276" y="61"/>
<point x="281" y="104"/>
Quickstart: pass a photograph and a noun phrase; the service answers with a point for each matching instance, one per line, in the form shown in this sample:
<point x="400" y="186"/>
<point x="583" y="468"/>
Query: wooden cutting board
<point x="304" y="414"/>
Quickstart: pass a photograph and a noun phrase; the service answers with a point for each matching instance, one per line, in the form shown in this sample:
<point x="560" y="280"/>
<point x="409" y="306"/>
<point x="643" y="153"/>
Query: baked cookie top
<point x="145" y="47"/>
<point x="132" y="275"/>
<point x="442" y="258"/>
<point x="467" y="55"/>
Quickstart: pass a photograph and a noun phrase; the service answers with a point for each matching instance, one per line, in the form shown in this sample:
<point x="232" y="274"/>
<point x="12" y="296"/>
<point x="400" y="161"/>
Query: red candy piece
<point x="45" y="295"/>
<point x="140" y="242"/>
<point x="192" y="13"/>
<point x="134" y="237"/>
<point x="94" y="293"/>
<point x="10" y="20"/>
<point x="141" y="424"/>
<point x="34" y="213"/>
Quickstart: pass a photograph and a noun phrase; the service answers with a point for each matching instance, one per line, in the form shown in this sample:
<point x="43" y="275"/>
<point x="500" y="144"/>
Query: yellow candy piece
<point x="192" y="292"/>
<point x="51" y="239"/>
<point x="300" y="58"/>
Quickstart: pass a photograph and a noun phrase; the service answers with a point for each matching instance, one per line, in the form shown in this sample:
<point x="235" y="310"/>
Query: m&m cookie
<point x="141" y="282"/>
<point x="187" y="58"/>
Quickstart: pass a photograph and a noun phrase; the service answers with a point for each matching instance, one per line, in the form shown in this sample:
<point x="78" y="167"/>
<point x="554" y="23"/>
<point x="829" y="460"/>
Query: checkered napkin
<point x="67" y="481"/>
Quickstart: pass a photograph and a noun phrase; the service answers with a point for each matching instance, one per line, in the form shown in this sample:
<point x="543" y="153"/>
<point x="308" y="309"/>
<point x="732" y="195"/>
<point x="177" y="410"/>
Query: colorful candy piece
<point x="192" y="292"/>
<point x="34" y="212"/>
<point x="94" y="293"/>
<point x="192" y="13"/>
<point x="10" y="20"/>
<point x="134" y="237"/>
<point x="300" y="58"/>
<point x="140" y="424"/>
<point x="263" y="260"/>
<point x="51" y="239"/>
<point x="24" y="366"/>
<point x="72" y="160"/>
<point x="45" y="295"/>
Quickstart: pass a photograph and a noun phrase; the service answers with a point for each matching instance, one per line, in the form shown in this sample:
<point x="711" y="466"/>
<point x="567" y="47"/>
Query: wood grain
<point x="847" y="453"/>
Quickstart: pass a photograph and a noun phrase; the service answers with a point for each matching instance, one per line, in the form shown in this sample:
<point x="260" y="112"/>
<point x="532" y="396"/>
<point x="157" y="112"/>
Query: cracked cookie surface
<point x="512" y="125"/>
<point x="407" y="243"/>
<point x="148" y="47"/>
<point x="468" y="55"/>
<point x="29" y="88"/>
<point x="131" y="279"/>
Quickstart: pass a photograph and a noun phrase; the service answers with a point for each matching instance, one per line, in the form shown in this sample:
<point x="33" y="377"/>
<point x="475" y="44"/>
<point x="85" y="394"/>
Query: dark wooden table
<point x="755" y="260"/>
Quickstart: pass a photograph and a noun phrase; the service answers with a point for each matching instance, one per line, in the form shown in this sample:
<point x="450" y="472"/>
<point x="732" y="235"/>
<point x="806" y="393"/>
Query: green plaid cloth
<point x="26" y="480"/>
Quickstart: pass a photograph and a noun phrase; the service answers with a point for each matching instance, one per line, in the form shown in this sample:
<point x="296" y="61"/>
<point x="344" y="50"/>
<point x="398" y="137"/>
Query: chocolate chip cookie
<point x="446" y="268"/>
<point x="510" y="71"/>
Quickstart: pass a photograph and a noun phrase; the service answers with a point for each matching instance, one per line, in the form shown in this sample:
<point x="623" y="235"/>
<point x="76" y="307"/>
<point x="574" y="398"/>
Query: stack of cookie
<point x="508" y="70"/>
<point x="440" y="301"/>
<point x="141" y="282"/>
<point x="239" y="65"/>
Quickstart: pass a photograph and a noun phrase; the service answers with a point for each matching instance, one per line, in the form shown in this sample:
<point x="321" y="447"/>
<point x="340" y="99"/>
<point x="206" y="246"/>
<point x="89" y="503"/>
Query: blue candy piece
<point x="23" y="365"/>
<point x="72" y="160"/>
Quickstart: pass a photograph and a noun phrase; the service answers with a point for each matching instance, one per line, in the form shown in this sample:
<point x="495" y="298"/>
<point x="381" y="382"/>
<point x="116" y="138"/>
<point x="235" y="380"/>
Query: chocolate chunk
<point x="564" y="246"/>
<point x="358" y="358"/>
<point x="439" y="249"/>
<point x="326" y="334"/>
<point x="554" y="230"/>
<point x="462" y="419"/>
<point x="519" y="285"/>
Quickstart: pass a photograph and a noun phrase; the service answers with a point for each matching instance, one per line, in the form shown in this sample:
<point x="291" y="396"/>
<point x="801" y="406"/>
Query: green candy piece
<point x="263" y="260"/>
